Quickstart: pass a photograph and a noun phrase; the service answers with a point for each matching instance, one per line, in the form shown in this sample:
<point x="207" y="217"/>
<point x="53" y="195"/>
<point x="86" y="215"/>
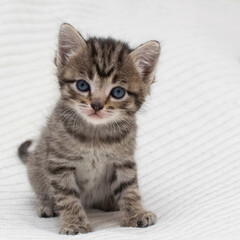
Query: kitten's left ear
<point x="145" y="58"/>
<point x="70" y="42"/>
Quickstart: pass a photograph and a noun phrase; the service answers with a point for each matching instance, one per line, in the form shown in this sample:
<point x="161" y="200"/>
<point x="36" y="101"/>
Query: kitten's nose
<point x="96" y="105"/>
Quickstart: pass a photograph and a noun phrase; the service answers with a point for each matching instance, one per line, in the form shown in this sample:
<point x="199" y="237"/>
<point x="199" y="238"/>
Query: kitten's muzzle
<point x="96" y="106"/>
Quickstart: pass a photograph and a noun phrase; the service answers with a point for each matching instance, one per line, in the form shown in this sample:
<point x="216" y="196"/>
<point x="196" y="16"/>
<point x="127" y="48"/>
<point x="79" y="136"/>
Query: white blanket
<point x="188" y="150"/>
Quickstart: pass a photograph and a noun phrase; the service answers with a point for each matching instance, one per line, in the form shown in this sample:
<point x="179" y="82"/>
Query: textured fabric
<point x="188" y="151"/>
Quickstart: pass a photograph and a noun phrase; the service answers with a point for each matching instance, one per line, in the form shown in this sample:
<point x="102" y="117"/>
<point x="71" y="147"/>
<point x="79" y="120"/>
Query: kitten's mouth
<point x="94" y="115"/>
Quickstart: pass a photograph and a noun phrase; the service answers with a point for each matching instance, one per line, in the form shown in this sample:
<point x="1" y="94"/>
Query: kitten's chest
<point x="94" y="169"/>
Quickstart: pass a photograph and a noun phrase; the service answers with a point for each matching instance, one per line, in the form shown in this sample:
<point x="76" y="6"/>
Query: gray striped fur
<point x="78" y="163"/>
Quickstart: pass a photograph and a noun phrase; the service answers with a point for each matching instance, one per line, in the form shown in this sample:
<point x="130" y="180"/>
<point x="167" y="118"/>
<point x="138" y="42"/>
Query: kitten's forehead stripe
<point x="107" y="55"/>
<point x="90" y="73"/>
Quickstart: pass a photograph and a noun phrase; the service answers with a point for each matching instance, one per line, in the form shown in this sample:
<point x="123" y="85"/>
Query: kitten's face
<point x="103" y="80"/>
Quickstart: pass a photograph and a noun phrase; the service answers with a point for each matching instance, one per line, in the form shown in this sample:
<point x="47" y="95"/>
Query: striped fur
<point x="79" y="162"/>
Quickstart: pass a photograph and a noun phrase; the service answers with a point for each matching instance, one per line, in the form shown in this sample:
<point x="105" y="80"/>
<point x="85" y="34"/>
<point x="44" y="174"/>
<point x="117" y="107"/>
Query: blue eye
<point x="118" y="92"/>
<point x="83" y="86"/>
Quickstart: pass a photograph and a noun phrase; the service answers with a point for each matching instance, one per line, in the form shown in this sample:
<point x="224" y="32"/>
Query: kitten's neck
<point x="84" y="131"/>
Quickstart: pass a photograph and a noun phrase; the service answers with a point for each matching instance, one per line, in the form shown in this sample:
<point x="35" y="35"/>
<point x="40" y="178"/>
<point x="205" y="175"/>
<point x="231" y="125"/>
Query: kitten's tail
<point x="23" y="150"/>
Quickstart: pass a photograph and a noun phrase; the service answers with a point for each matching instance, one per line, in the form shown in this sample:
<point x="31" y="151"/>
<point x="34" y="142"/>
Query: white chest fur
<point x="93" y="173"/>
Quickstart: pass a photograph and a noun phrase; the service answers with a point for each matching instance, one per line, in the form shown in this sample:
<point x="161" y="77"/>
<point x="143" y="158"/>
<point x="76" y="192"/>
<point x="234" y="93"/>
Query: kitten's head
<point x="104" y="80"/>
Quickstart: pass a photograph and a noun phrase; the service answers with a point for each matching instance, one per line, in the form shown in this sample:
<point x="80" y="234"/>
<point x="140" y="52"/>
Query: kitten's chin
<point x="96" y="118"/>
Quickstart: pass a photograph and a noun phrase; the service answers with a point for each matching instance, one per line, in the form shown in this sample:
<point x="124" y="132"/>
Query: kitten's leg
<point x="40" y="185"/>
<point x="125" y="188"/>
<point x="67" y="199"/>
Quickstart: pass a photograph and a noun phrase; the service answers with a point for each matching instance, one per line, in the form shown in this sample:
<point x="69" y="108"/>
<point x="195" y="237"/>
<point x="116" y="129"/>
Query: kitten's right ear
<point x="145" y="58"/>
<point x="69" y="43"/>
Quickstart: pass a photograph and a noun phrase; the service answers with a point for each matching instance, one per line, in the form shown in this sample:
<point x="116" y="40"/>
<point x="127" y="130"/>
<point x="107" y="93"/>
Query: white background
<point x="188" y="150"/>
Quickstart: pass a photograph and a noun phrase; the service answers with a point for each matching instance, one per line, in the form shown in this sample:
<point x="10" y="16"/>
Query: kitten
<point x="85" y="154"/>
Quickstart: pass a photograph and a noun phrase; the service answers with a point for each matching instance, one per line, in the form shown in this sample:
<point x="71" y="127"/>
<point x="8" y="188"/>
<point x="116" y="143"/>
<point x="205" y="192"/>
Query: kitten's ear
<point x="69" y="43"/>
<point x="145" y="58"/>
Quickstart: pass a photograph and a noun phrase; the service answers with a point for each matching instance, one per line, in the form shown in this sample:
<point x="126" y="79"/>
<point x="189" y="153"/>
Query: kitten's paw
<point x="46" y="212"/>
<point x="73" y="229"/>
<point x="143" y="219"/>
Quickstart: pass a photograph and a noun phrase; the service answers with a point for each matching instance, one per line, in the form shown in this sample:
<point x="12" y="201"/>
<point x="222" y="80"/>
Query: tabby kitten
<point x="85" y="154"/>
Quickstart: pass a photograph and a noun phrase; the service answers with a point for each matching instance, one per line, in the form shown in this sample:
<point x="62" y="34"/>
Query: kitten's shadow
<point x="101" y="220"/>
<point x="98" y="219"/>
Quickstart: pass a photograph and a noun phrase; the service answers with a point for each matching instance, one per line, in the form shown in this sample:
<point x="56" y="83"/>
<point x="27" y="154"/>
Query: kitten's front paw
<point x="143" y="219"/>
<point x="73" y="229"/>
<point x="46" y="212"/>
